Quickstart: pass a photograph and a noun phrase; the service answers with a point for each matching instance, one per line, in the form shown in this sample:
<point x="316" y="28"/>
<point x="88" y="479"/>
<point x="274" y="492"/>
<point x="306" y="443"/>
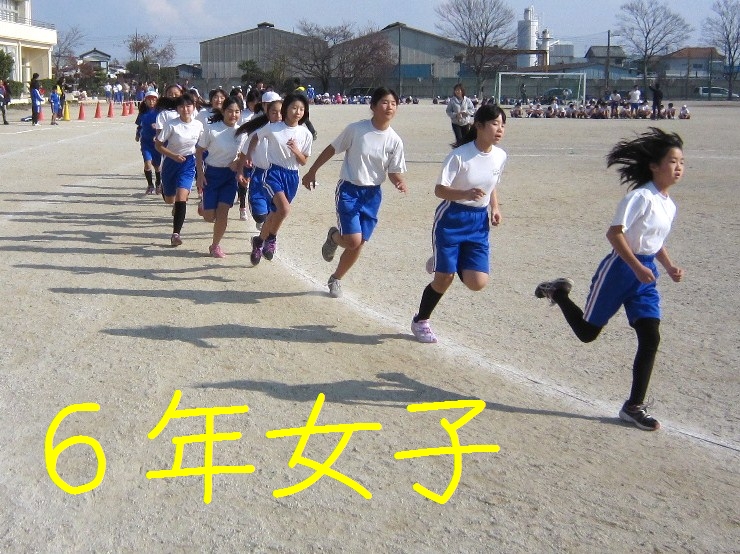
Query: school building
<point x="427" y="62"/>
<point x="28" y="42"/>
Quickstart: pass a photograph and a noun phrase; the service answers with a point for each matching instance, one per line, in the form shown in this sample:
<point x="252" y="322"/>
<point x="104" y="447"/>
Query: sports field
<point x="99" y="309"/>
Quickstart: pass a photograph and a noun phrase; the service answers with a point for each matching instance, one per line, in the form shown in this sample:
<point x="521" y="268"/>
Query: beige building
<point x="29" y="42"/>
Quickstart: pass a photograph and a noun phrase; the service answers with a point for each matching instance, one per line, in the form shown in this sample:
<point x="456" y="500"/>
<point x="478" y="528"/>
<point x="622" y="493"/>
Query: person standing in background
<point x="460" y="110"/>
<point x="36" y="99"/>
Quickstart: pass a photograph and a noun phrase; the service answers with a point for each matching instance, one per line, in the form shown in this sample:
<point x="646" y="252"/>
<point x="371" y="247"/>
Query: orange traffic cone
<point x="41" y="113"/>
<point x="82" y="112"/>
<point x="98" y="113"/>
<point x="110" y="109"/>
<point x="124" y="108"/>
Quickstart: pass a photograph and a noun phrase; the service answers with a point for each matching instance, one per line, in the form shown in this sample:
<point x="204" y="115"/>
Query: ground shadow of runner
<point x="198" y="336"/>
<point x="390" y="390"/>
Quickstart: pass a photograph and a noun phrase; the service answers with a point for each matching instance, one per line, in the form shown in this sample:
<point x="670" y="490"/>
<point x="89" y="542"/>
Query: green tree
<point x="6" y="65"/>
<point x="252" y="72"/>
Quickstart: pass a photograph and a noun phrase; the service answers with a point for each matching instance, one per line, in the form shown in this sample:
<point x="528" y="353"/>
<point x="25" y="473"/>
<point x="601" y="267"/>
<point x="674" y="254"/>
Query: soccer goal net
<point x="540" y="87"/>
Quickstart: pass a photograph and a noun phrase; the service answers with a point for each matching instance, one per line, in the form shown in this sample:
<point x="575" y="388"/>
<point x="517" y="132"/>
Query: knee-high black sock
<point x="429" y="300"/>
<point x="242" y="191"/>
<point x="648" y="339"/>
<point x="148" y="175"/>
<point x="585" y="331"/>
<point x="179" y="218"/>
<point x="158" y="177"/>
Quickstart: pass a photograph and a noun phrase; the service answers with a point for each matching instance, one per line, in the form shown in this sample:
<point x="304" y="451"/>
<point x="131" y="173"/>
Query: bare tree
<point x="486" y="27"/>
<point x="144" y="48"/>
<point x="314" y="57"/>
<point x="723" y="31"/>
<point x="651" y="29"/>
<point x="364" y="59"/>
<point x="63" y="54"/>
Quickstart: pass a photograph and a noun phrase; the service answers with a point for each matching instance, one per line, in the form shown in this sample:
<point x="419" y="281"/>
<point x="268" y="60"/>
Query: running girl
<point x="288" y="148"/>
<point x="373" y="149"/>
<point x="177" y="142"/>
<point x="145" y="133"/>
<point x="651" y="164"/>
<point x="217" y="182"/>
<point x="252" y="178"/>
<point x="216" y="99"/>
<point x="467" y="187"/>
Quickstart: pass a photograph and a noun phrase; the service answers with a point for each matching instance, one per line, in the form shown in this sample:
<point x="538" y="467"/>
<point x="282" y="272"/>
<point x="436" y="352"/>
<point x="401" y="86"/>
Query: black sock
<point x="179" y="218"/>
<point x="158" y="177"/>
<point x="585" y="331"/>
<point x="242" y="197"/>
<point x="648" y="339"/>
<point x="429" y="300"/>
<point x="148" y="175"/>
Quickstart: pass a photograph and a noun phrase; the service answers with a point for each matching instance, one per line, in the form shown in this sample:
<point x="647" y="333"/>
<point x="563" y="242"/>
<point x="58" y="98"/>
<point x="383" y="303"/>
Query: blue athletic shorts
<point x="615" y="285"/>
<point x="177" y="175"/>
<point x="150" y="153"/>
<point x="220" y="187"/>
<point x="259" y="202"/>
<point x="460" y="238"/>
<point x="279" y="179"/>
<point x="357" y="208"/>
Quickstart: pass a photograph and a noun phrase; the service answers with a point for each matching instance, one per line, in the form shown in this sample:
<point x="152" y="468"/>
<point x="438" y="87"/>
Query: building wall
<point x="29" y="44"/>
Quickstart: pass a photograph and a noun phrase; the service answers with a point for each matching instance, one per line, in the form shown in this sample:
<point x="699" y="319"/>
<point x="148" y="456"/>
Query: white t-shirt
<point x="203" y="116"/>
<point x="181" y="137"/>
<point x="634" y="96"/>
<point x="277" y="135"/>
<point x="466" y="168"/>
<point x="163" y="116"/>
<point x="221" y="142"/>
<point x="646" y="216"/>
<point x="370" y="153"/>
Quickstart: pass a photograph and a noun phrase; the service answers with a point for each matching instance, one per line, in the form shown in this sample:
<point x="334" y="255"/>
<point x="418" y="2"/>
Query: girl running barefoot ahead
<point x="651" y="164"/>
<point x="177" y="141"/>
<point x="467" y="187"/>
<point x="216" y="179"/>
<point x="373" y="150"/>
<point x="288" y="148"/>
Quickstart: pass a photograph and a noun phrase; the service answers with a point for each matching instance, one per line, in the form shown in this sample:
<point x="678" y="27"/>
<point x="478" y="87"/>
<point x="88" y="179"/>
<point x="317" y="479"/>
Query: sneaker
<point x="150" y="190"/>
<point x="422" y="331"/>
<point x="330" y="247"/>
<point x="158" y="189"/>
<point x="243" y="214"/>
<point x="430" y="265"/>
<point x="216" y="251"/>
<point x="638" y="416"/>
<point x="335" y="287"/>
<point x="200" y="208"/>
<point x="547" y="289"/>
<point x="175" y="239"/>
<point x="256" y="254"/>
<point x="268" y="250"/>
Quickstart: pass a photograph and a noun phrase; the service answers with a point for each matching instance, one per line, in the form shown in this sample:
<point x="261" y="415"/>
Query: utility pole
<point x="608" y="58"/>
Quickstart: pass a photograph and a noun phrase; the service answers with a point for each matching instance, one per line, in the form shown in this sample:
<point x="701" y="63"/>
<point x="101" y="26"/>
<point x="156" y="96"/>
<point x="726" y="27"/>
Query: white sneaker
<point x="335" y="287"/>
<point x="422" y="331"/>
<point x="243" y="214"/>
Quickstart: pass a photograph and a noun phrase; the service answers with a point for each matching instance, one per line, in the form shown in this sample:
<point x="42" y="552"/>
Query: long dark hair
<point x="635" y="156"/>
<point x="487" y="112"/>
<point x="380" y="93"/>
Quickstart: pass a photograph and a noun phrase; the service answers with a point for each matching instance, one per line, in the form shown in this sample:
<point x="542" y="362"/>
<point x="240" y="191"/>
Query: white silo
<point x="527" y="38"/>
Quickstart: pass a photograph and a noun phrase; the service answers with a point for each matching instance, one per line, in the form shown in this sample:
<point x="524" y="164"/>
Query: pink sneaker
<point x="175" y="239"/>
<point x="216" y="251"/>
<point x="422" y="331"/>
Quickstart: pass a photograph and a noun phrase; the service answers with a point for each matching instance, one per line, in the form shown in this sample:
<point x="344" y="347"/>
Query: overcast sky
<point x="106" y="25"/>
